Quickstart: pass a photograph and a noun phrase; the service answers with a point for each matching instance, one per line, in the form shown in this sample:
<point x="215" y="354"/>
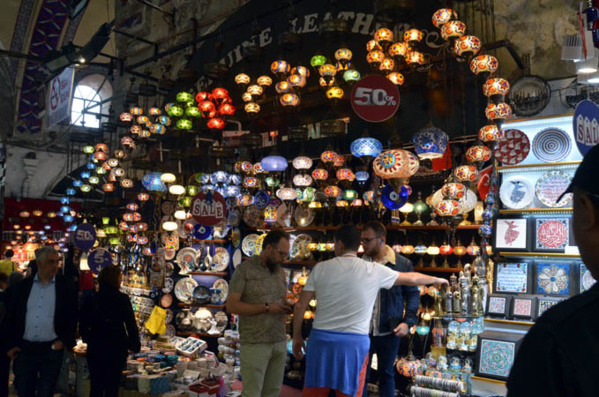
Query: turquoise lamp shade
<point x="366" y="147"/>
<point x="362" y="176"/>
<point x="274" y="163"/>
<point x="70" y="191"/>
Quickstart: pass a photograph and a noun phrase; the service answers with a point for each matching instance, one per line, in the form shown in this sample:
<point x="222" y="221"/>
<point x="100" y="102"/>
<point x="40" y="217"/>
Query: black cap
<point x="587" y="174"/>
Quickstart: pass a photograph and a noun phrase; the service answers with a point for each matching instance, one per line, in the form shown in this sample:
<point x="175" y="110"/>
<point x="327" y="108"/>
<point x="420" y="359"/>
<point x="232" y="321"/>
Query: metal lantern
<point x="430" y="143"/>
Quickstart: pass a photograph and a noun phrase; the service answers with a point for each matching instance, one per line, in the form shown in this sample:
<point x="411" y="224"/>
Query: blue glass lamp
<point x="70" y="192"/>
<point x="274" y="163"/>
<point x="362" y="176"/>
<point x="366" y="147"/>
<point x="152" y="182"/>
<point x="430" y="143"/>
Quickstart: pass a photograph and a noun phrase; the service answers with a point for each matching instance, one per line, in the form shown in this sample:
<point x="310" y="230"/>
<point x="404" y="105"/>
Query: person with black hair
<point x="558" y="356"/>
<point x="107" y="324"/>
<point x="257" y="294"/>
<point x="345" y="288"/>
<point x="7" y="265"/>
<point x="5" y="297"/>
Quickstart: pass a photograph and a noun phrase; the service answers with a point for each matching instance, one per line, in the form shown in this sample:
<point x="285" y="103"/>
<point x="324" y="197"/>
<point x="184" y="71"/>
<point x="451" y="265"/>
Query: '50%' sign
<point x="375" y="98"/>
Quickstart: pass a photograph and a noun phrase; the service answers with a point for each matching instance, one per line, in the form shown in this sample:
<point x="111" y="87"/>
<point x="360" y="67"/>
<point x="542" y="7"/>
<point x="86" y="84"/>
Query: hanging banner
<point x="99" y="259"/>
<point x="60" y="92"/>
<point x="375" y="98"/>
<point x="208" y="209"/>
<point x="85" y="236"/>
<point x="586" y="126"/>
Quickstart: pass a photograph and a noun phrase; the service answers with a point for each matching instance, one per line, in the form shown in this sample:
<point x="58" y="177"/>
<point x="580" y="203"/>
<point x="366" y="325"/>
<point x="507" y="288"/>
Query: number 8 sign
<point x="375" y="98"/>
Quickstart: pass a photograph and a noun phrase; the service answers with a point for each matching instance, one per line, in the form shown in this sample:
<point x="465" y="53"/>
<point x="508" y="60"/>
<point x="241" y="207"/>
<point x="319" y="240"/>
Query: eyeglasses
<point x="367" y="240"/>
<point x="283" y="254"/>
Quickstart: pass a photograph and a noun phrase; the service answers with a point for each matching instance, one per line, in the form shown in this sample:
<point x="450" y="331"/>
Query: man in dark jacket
<point x="389" y="323"/>
<point x="43" y="315"/>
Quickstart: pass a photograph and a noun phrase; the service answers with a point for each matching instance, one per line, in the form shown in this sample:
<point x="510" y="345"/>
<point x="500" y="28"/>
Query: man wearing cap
<point x="558" y="356"/>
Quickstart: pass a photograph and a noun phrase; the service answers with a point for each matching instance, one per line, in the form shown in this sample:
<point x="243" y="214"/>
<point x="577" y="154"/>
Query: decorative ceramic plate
<point x="253" y="217"/>
<point x="529" y="95"/>
<point x="168" y="208"/>
<point x="169" y="269"/>
<point x="551" y="145"/>
<point x="552" y="234"/>
<point x="201" y="294"/>
<point x="202" y="320"/>
<point x="516" y="192"/>
<point x="299" y="249"/>
<point x="184" y="289"/>
<point x="166" y="301"/>
<point x="169" y="316"/>
<point x="261" y="199"/>
<point x="169" y="254"/>
<point x="550" y="186"/>
<point x="392" y="199"/>
<point x="284" y="216"/>
<point x="303" y="216"/>
<point x="514" y="148"/>
<point x="234" y="218"/>
<point x="220" y="261"/>
<point x="236" y="237"/>
<point x="222" y="320"/>
<point x="221" y="229"/>
<point x="259" y="242"/>
<point x="202" y="232"/>
<point x="186" y="259"/>
<point x="249" y="244"/>
<point x="168" y="285"/>
<point x="236" y="258"/>
<point x="224" y="289"/>
<point x="170" y="331"/>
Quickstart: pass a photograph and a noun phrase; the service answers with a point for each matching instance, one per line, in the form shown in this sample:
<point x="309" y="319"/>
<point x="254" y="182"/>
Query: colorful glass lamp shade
<point x="484" y="65"/>
<point x="430" y="143"/>
<point x="467" y="46"/>
<point x="274" y="163"/>
<point x="153" y="183"/>
<point x="366" y="147"/>
<point x="442" y="16"/>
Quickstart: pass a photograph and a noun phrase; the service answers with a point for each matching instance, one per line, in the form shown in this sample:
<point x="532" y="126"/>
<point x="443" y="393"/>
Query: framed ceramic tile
<point x="511" y="234"/>
<point x="496" y="353"/>
<point x="553" y="278"/>
<point x="498" y="305"/>
<point x="524" y="307"/>
<point x="544" y="303"/>
<point x="586" y="278"/>
<point x="551" y="234"/>
<point x="513" y="277"/>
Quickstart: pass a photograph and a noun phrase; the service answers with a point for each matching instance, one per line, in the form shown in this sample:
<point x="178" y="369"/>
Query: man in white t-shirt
<point x="345" y="288"/>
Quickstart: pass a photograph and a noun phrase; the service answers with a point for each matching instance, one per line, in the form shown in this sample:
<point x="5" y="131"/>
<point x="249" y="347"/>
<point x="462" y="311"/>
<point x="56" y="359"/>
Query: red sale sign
<point x="208" y="209"/>
<point x="375" y="98"/>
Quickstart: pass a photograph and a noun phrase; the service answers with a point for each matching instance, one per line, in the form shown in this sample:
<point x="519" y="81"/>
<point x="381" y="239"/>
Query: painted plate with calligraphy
<point x="552" y="234"/>
<point x="516" y="192"/>
<point x="514" y="148"/>
<point x="550" y="187"/>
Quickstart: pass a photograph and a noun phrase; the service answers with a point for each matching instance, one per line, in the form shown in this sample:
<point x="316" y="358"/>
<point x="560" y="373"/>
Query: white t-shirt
<point x="346" y="288"/>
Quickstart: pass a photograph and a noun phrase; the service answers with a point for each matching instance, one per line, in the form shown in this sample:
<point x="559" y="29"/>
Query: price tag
<point x="375" y="98"/>
<point x="85" y="236"/>
<point x="98" y="259"/>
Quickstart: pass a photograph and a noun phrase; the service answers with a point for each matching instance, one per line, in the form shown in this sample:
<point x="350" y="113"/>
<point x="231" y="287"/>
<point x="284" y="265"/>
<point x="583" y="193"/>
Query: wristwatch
<point x="265" y="307"/>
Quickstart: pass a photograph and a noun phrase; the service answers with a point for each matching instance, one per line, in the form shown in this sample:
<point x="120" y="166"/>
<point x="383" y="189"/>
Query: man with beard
<point x="257" y="294"/>
<point x="558" y="356"/>
<point x="389" y="323"/>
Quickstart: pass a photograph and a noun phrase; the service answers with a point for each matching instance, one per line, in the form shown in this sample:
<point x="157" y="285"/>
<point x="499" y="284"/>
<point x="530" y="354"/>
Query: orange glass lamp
<point x="383" y="37"/>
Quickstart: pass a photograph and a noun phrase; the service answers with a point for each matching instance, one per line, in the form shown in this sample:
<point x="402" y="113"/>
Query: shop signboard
<point x="375" y="98"/>
<point x="99" y="259"/>
<point x="586" y="126"/>
<point x="85" y="237"/>
<point x="209" y="208"/>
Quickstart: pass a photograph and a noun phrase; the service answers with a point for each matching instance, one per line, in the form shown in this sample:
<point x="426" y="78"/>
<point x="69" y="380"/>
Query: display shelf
<point x="209" y="306"/>
<point x="301" y="263"/>
<point x="536" y="211"/>
<point x="438" y="269"/>
<point x="200" y="334"/>
<point x="510" y="322"/>
<point x="489" y="380"/>
<point x="540" y="165"/>
<point x="456" y="318"/>
<point x="538" y="254"/>
<point x="389" y="227"/>
<point x="220" y="274"/>
<point x="210" y="241"/>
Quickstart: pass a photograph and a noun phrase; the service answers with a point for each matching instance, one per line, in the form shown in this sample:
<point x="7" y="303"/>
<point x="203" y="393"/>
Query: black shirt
<point x="560" y="354"/>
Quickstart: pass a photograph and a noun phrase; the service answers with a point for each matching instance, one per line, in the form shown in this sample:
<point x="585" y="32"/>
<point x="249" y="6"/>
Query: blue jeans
<point x="37" y="369"/>
<point x="385" y="348"/>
